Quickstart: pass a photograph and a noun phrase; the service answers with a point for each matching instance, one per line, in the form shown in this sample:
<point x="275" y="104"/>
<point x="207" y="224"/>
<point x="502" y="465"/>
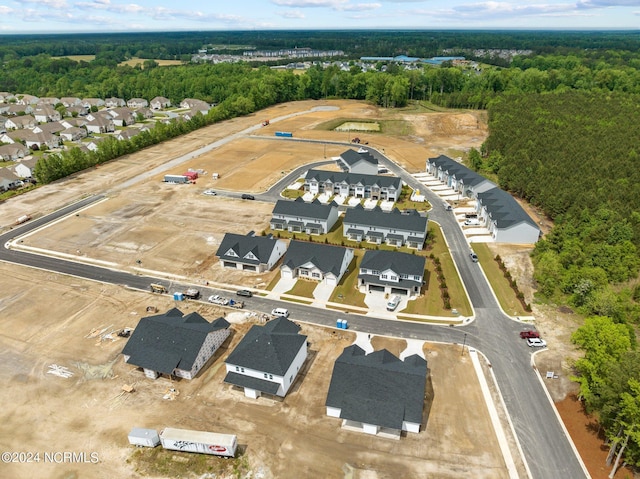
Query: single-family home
<point x="250" y="252"/>
<point x="159" y="103"/>
<point x="194" y="104"/>
<point x="377" y="392"/>
<point x="3" y="121"/>
<point x="20" y="122"/>
<point x="135" y="103"/>
<point x="123" y="116"/>
<point x="94" y="143"/>
<point x="114" y="102"/>
<point x="14" y="109"/>
<point x="73" y="134"/>
<point x="74" y="122"/>
<point x="45" y="113"/>
<point x="91" y="102"/>
<point x="145" y="113"/>
<point x="6" y="97"/>
<point x="52" y="127"/>
<point x="268" y="359"/>
<point x="70" y="101"/>
<point x="360" y="161"/>
<point x="376" y="187"/>
<point x="126" y="134"/>
<point x="174" y="344"/>
<point x="100" y="124"/>
<point x="33" y="140"/>
<point x="299" y="217"/>
<point x="394" y="228"/>
<point x="24" y="168"/>
<point x="48" y="100"/>
<point x="391" y="272"/>
<point x="316" y="261"/>
<point x="77" y="110"/>
<point x="8" y="179"/>
<point x="27" y="100"/>
<point x="13" y="151"/>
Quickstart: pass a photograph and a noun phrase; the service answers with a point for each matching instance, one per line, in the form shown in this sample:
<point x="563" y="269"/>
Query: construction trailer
<point x="144" y="437"/>
<point x="286" y="134"/>
<point x="157" y="288"/>
<point x="199" y="441"/>
<point x="176" y="179"/>
<point x="192" y="175"/>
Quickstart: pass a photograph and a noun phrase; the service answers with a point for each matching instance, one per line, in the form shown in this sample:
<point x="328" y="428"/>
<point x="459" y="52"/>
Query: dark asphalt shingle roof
<point x="260" y="246"/>
<point x="412" y="221"/>
<point x="354" y="178"/>
<point x="250" y="382"/>
<point x="351" y="157"/>
<point x="298" y="208"/>
<point x="326" y="258"/>
<point x="504" y="209"/>
<point x="270" y="348"/>
<point x="168" y="341"/>
<point x="378" y="388"/>
<point x="468" y="176"/>
<point x="400" y="263"/>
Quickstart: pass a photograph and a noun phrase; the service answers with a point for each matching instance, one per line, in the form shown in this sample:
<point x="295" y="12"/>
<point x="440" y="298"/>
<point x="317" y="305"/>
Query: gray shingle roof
<point x="298" y="208"/>
<point x="244" y="381"/>
<point x="168" y="341"/>
<point x="378" y="388"/>
<point x="469" y="177"/>
<point x="270" y="348"/>
<point x="504" y="209"/>
<point x="401" y="263"/>
<point x="411" y="222"/>
<point x="260" y="246"/>
<point x="351" y="157"/>
<point x="354" y="178"/>
<point x="326" y="258"/>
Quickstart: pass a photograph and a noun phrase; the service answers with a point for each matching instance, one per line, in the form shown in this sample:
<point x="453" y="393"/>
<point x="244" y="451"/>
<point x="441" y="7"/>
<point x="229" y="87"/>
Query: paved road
<point x="546" y="448"/>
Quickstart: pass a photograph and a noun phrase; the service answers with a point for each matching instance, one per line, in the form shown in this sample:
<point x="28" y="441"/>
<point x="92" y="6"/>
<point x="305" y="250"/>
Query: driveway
<point x="377" y="304"/>
<point x="322" y="293"/>
<point x="281" y="287"/>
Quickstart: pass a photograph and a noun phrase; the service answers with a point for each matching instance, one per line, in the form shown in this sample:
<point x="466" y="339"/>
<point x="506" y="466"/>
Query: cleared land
<point x="45" y="319"/>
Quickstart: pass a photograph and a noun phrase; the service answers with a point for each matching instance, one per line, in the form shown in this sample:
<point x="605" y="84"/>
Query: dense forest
<point x="564" y="129"/>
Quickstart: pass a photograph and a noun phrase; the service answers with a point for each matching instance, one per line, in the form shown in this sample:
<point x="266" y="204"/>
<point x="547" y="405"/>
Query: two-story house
<point x="316" y="261"/>
<point x="360" y="161"/>
<point x="174" y="344"/>
<point x="268" y="359"/>
<point x="394" y="228"/>
<point x="159" y="103"/>
<point x="300" y="217"/>
<point x="122" y="116"/>
<point x="250" y="252"/>
<point x="135" y="103"/>
<point x="391" y="272"/>
<point x="375" y="187"/>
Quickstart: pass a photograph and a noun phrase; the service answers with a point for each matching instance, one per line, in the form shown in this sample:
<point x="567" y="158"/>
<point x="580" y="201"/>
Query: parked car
<point x="529" y="333"/>
<point x="245" y="196"/>
<point x="244" y="292"/>
<point x="284" y="313"/>
<point x="474" y="257"/>
<point x="393" y="303"/>
<point x="209" y="193"/>
<point x="471" y="222"/>
<point x="217" y="299"/>
<point x="447" y="207"/>
<point x="536" y="343"/>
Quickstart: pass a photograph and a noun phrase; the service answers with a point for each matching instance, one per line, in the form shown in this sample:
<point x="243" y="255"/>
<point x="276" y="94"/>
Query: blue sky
<point x="41" y="16"/>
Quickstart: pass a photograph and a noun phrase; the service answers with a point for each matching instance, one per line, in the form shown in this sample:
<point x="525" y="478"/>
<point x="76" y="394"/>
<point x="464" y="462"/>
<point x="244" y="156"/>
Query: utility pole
<point x="464" y="342"/>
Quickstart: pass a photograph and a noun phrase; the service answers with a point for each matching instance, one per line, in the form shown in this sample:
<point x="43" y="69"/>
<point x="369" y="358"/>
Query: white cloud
<point x="360" y="7"/>
<point x="335" y="4"/>
<point x="55" y="4"/>
<point x="293" y="14"/>
<point x="608" y="3"/>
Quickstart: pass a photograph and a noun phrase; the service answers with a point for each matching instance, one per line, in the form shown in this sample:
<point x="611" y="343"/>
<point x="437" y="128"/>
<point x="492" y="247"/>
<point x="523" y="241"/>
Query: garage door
<point x="229" y="264"/>
<point x="374" y="287"/>
<point x="286" y="273"/>
<point x="249" y="267"/>
<point x="399" y="291"/>
<point x="331" y="280"/>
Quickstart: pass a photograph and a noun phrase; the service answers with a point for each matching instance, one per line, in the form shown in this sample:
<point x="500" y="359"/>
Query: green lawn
<point x="292" y="194"/>
<point x="273" y="282"/>
<point x="500" y="285"/>
<point x="303" y="288"/>
<point x="347" y="291"/>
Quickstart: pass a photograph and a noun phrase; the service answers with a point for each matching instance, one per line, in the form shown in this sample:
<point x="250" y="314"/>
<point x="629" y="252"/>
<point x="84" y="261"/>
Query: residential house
<point x="134" y="103"/>
<point x="74" y="122"/>
<point x="126" y="134"/>
<point x="40" y="141"/>
<point x="375" y="187"/>
<point x="24" y="168"/>
<point x="100" y="124"/>
<point x="13" y="151"/>
<point x="114" y="102"/>
<point x="73" y="134"/>
<point x="91" y="102"/>
<point x="268" y="359"/>
<point x="45" y="113"/>
<point x="360" y="161"/>
<point x="70" y="101"/>
<point x="122" y="116"/>
<point x="6" y="97"/>
<point x="159" y="103"/>
<point x="497" y="210"/>
<point x="27" y="100"/>
<point x="51" y="127"/>
<point x="20" y="122"/>
<point x="391" y="272"/>
<point x="377" y="392"/>
<point x="3" y="121"/>
<point x="8" y="179"/>
<point x="52" y="101"/>
<point x="145" y="113"/>
<point x="250" y="252"/>
<point x="94" y="143"/>
<point x="300" y="217"/>
<point x="78" y="110"/>
<point x="316" y="261"/>
<point x="195" y="106"/>
<point x="14" y="109"/>
<point x="174" y="344"/>
<point x="394" y="228"/>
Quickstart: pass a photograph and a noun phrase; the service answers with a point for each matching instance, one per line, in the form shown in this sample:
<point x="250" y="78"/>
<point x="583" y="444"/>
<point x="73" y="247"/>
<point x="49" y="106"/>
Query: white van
<point x="284" y="313"/>
<point x="393" y="303"/>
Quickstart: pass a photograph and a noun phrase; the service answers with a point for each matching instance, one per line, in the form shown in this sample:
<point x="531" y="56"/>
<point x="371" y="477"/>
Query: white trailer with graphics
<point x="199" y="441"/>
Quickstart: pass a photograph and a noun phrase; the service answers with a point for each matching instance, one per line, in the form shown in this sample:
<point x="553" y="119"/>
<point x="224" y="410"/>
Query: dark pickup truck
<point x="529" y="334"/>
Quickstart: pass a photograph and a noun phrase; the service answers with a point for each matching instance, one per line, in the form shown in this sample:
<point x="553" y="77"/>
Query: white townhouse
<point x="375" y="187"/>
<point x="391" y="272"/>
<point x="299" y="217"/>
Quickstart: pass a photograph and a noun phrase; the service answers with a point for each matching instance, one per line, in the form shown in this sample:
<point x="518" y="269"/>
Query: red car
<point x="529" y="334"/>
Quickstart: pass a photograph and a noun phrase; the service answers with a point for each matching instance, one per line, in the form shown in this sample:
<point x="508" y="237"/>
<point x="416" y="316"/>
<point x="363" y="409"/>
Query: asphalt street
<point x="546" y="447"/>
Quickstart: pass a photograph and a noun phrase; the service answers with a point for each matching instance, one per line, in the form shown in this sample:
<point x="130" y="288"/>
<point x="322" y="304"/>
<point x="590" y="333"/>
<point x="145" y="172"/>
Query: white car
<point x="216" y="299"/>
<point x="536" y="343"/>
<point x="209" y="193"/>
<point x="283" y="313"/>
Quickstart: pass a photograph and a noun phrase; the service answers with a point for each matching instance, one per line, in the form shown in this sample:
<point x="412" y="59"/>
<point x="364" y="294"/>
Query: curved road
<point x="547" y="449"/>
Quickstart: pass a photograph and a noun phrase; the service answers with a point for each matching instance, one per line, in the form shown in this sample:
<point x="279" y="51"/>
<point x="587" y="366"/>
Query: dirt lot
<point x="88" y="412"/>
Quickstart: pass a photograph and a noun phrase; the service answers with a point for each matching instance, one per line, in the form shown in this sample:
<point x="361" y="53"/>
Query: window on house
<point x="266" y="376"/>
<point x="375" y="271"/>
<point x="404" y="276"/>
<point x="393" y="278"/>
<point x="270" y="376"/>
<point x="291" y="378"/>
<point x="315" y="275"/>
<point x="241" y="370"/>
<point x="384" y="276"/>
<point x="238" y="368"/>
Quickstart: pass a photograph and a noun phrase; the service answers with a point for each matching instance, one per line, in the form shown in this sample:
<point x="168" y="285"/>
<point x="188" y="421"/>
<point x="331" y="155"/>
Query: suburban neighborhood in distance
<point x="335" y="255"/>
